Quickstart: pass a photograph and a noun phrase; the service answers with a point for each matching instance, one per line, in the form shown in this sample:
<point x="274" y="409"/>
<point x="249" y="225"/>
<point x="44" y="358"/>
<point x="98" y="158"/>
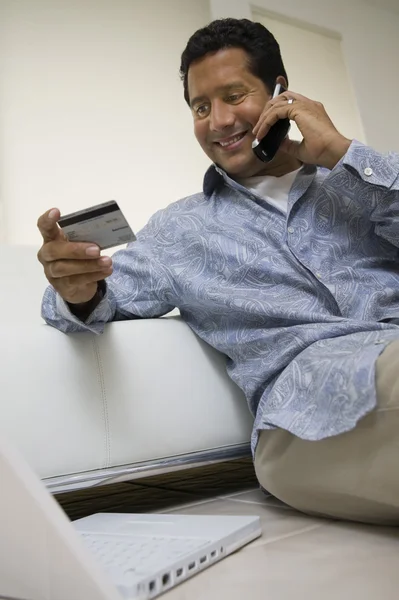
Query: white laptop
<point x="44" y="556"/>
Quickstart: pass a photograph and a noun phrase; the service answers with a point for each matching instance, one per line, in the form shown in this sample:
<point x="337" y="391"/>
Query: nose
<point x="221" y="117"/>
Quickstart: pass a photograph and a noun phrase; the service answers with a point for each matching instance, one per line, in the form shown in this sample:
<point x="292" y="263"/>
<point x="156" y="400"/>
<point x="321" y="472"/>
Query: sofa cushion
<point x="143" y="390"/>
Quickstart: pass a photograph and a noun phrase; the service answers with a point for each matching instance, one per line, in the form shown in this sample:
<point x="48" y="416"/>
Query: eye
<point x="234" y="97"/>
<point x="201" y="110"/>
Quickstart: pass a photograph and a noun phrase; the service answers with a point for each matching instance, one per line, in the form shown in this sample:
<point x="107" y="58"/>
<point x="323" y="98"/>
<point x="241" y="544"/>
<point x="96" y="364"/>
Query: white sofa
<point x="144" y="397"/>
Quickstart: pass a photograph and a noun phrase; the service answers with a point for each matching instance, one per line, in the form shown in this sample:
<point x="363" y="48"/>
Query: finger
<point x="294" y="96"/>
<point x="48" y="227"/>
<point x="79" y="280"/>
<point x="69" y="268"/>
<point x="65" y="250"/>
<point x="262" y="116"/>
<point x="281" y="98"/>
<point x="283" y="110"/>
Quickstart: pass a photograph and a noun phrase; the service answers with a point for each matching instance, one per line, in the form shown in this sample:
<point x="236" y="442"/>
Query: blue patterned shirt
<point x="301" y="304"/>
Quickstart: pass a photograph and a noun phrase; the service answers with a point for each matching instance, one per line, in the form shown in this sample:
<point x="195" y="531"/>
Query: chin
<point x="239" y="168"/>
<point x="243" y="171"/>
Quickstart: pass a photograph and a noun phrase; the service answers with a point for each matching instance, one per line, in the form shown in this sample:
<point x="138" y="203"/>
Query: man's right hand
<point x="73" y="269"/>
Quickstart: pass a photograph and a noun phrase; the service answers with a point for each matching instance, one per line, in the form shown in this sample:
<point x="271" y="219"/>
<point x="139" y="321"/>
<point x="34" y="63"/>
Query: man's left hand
<point x="322" y="143"/>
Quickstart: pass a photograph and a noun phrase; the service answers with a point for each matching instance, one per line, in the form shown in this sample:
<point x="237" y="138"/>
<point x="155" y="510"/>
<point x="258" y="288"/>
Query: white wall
<point x="92" y="108"/>
<point x="328" y="79"/>
<point x="88" y="86"/>
<point x="370" y="43"/>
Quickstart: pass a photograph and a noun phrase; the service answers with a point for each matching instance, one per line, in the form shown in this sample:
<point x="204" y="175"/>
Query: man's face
<point x="226" y="101"/>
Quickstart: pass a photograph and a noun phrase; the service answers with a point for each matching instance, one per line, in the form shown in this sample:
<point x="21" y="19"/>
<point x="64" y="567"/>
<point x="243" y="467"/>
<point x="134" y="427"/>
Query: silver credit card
<point x="103" y="224"/>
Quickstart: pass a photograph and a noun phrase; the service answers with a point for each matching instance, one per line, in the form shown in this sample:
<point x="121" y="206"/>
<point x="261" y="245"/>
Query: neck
<point x="281" y="164"/>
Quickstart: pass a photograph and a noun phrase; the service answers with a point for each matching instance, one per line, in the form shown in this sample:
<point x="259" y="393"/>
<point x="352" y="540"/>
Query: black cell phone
<point x="266" y="148"/>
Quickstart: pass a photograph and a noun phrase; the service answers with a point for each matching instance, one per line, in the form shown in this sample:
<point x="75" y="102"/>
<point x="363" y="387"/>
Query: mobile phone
<point x="266" y="148"/>
<point x="103" y="224"/>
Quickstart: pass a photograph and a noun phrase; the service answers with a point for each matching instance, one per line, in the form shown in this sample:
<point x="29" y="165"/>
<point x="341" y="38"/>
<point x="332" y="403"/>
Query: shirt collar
<point x="212" y="179"/>
<point x="215" y="176"/>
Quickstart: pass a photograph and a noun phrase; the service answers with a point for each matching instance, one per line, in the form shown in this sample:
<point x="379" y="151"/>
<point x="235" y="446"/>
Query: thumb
<point x="291" y="147"/>
<point x="48" y="226"/>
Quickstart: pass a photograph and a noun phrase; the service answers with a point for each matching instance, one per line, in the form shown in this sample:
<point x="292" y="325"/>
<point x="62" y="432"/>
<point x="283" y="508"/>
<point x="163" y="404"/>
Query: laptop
<point x="44" y="556"/>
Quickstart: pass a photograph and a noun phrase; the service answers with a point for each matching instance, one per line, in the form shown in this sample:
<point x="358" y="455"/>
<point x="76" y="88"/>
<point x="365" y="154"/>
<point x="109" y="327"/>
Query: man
<point x="288" y="268"/>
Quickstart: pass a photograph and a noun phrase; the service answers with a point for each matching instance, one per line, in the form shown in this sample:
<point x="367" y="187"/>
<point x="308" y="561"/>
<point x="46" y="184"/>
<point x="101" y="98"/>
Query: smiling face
<point x="226" y="101"/>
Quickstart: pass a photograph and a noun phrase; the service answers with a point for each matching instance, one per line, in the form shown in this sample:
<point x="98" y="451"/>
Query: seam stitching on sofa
<point x="100" y="374"/>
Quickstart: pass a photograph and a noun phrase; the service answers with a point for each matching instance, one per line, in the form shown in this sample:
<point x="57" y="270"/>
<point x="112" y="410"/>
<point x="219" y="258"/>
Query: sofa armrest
<point x="144" y="390"/>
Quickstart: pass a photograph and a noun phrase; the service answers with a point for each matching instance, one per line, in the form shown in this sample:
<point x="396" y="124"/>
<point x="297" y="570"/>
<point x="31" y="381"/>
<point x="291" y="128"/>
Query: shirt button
<point x="368" y="171"/>
<point x="318" y="275"/>
<point x="291" y="230"/>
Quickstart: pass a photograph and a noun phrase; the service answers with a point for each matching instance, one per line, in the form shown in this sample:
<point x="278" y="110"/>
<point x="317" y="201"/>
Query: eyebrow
<point x="224" y="88"/>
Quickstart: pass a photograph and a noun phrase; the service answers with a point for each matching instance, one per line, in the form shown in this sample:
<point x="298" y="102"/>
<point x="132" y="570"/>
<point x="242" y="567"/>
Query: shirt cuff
<point x="371" y="166"/>
<point x="101" y="314"/>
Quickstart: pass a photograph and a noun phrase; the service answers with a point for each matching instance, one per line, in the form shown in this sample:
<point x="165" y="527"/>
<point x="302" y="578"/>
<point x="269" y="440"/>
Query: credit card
<point x="103" y="224"/>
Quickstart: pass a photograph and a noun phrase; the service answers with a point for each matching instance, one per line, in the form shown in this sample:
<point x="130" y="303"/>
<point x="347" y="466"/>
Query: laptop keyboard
<point x="140" y="553"/>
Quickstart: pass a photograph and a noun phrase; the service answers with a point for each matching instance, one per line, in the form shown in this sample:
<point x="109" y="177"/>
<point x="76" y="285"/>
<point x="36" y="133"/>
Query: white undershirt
<point x="274" y="190"/>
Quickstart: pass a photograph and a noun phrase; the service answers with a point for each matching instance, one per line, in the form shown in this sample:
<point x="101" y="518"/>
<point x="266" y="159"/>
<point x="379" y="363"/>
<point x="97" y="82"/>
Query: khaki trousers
<point x="352" y="476"/>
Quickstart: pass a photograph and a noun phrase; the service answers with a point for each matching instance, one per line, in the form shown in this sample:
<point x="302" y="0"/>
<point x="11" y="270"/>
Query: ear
<point x="282" y="81"/>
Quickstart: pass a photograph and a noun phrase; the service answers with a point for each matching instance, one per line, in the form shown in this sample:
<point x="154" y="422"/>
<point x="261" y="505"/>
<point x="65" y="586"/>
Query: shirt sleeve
<point x="138" y="287"/>
<point x="375" y="183"/>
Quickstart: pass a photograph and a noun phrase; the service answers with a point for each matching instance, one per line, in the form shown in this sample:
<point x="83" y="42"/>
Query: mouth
<point x="232" y="142"/>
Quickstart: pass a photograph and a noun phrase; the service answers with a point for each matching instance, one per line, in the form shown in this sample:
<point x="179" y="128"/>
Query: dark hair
<point x="264" y="57"/>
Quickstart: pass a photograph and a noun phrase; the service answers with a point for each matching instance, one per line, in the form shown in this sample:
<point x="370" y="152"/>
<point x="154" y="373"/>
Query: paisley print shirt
<point x="300" y="304"/>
